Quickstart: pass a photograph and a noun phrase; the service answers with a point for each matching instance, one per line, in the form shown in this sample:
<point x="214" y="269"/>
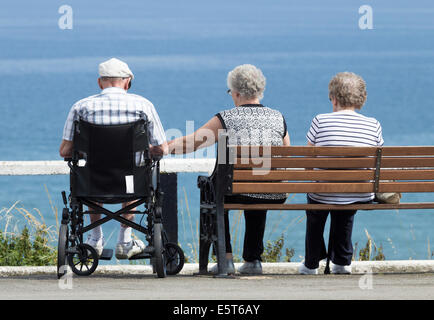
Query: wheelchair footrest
<point x="107" y="254"/>
<point x="146" y="254"/>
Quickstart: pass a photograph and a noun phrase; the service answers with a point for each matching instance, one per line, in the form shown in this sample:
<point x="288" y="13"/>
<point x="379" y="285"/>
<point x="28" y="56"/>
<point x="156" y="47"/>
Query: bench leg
<point x="204" y="247"/>
<point x="205" y="241"/>
<point x="221" y="245"/>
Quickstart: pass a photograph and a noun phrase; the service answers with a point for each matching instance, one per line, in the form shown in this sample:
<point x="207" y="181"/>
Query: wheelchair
<point x="112" y="164"/>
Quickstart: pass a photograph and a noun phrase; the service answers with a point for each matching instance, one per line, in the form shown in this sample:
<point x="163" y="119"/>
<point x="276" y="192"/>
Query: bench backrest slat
<point x="331" y="175"/>
<point x="332" y="162"/>
<point x="334" y="151"/>
<point x="332" y="169"/>
<point x="325" y="187"/>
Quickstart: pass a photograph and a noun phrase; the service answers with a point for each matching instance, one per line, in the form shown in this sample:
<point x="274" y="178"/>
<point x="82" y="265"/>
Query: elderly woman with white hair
<point x="342" y="127"/>
<point x="248" y="123"/>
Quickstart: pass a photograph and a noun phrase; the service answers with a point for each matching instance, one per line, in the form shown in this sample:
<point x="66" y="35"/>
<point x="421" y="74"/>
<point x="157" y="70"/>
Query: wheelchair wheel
<point x="84" y="261"/>
<point x="160" y="265"/>
<point x="174" y="257"/>
<point x="61" y="250"/>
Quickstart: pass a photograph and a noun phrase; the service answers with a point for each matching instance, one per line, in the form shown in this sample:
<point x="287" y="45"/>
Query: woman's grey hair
<point x="349" y="89"/>
<point x="247" y="80"/>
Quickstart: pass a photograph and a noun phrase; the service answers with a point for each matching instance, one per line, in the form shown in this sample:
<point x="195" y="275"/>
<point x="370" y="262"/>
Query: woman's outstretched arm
<point x="203" y="137"/>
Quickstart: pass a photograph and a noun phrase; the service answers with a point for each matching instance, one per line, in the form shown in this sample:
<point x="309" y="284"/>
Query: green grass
<point x="273" y="251"/>
<point x="370" y="251"/>
<point x="28" y="245"/>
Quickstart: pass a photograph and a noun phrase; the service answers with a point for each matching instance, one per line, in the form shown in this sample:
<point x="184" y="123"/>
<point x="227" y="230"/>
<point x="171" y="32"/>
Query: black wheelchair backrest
<point x="117" y="161"/>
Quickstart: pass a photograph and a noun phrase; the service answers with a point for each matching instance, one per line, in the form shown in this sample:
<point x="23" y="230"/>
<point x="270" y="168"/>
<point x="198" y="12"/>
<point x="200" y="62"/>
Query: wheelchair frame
<point x="166" y="258"/>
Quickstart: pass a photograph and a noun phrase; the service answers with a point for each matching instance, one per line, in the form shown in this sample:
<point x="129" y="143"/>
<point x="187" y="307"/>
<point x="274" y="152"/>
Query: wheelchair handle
<point x="65" y="201"/>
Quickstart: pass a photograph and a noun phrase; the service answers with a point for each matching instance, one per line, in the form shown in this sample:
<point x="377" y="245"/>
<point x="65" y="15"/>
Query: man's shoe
<point x="305" y="270"/>
<point x="338" y="269"/>
<point x="129" y="249"/>
<point x="230" y="267"/>
<point x="98" y="245"/>
<point x="253" y="267"/>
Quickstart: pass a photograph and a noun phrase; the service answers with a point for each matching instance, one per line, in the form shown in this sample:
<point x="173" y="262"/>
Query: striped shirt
<point x="344" y="128"/>
<point x="115" y="106"/>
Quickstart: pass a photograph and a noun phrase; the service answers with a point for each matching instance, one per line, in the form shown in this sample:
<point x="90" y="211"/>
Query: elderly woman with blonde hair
<point x="342" y="127"/>
<point x="248" y="123"/>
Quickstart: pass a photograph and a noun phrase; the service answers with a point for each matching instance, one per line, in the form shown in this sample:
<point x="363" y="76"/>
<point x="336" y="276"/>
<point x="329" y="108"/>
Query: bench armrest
<point x="202" y="180"/>
<point x="207" y="190"/>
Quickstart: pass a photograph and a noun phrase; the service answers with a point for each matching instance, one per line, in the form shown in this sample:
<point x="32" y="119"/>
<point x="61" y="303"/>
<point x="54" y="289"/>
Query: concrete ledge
<point x="359" y="267"/>
<point x="58" y="167"/>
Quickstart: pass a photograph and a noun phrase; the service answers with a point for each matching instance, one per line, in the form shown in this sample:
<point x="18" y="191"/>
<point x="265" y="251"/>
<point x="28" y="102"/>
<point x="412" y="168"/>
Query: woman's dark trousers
<point x="255" y="226"/>
<point x="341" y="228"/>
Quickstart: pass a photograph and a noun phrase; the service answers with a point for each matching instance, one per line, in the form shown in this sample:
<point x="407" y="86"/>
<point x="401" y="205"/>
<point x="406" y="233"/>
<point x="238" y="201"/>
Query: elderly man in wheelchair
<point x="113" y="143"/>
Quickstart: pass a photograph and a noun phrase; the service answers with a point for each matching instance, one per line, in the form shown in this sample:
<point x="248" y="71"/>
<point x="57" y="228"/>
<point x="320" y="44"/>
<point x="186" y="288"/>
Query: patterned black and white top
<point x="344" y="128"/>
<point x="254" y="124"/>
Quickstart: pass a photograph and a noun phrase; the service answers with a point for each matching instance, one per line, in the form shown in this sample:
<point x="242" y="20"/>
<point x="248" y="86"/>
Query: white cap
<point x="115" y="68"/>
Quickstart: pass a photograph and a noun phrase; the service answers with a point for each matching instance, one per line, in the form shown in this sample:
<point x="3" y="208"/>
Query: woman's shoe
<point x="305" y="270"/>
<point x="230" y="267"/>
<point x="253" y="267"/>
<point x="338" y="269"/>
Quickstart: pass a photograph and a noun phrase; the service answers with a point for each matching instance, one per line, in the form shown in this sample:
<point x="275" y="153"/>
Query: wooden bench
<point x="240" y="169"/>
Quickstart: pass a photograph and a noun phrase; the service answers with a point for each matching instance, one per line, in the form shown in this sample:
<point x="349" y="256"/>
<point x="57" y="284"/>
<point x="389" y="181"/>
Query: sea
<point x="181" y="53"/>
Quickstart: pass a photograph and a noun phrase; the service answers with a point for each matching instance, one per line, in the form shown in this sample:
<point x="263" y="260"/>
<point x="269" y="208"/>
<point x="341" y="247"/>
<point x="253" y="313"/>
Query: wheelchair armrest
<point x="75" y="157"/>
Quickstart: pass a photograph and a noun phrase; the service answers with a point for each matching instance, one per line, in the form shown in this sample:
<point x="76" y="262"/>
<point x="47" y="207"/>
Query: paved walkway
<point x="187" y="287"/>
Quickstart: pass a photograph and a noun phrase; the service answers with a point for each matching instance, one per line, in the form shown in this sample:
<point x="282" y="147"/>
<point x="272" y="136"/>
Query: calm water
<point x="181" y="52"/>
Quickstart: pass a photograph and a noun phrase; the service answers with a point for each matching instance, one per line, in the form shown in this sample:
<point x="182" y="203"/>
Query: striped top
<point x="344" y="128"/>
<point x="115" y="106"/>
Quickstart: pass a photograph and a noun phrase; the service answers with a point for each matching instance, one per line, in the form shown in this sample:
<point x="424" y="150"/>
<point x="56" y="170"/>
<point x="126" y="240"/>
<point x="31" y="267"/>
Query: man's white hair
<point x="248" y="80"/>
